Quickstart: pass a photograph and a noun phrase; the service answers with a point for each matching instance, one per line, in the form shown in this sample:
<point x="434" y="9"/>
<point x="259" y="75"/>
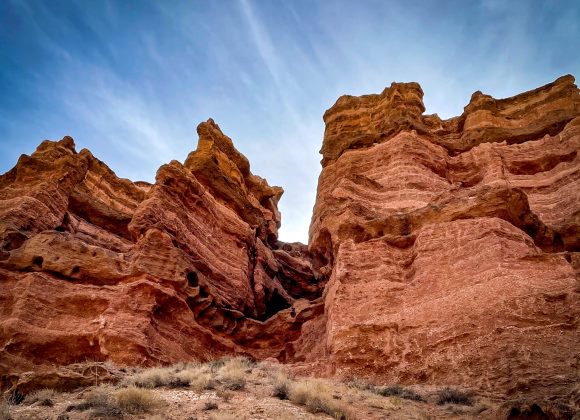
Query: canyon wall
<point x="97" y="268"/>
<point x="440" y="252"/>
<point x="453" y="244"/>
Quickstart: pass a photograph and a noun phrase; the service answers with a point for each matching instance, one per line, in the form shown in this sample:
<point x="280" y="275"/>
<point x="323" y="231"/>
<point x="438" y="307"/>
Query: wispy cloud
<point x="131" y="80"/>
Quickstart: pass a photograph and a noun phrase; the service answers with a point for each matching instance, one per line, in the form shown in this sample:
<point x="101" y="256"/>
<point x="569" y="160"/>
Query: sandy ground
<point x="256" y="402"/>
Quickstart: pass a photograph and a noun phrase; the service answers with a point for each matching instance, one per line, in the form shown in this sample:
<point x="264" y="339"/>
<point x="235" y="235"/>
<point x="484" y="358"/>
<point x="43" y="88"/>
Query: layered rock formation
<point x="441" y="252"/>
<point x="453" y="244"/>
<point x="97" y="268"/>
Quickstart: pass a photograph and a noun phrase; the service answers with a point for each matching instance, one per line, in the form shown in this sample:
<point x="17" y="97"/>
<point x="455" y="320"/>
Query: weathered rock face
<point x="441" y="252"/>
<point x="453" y="245"/>
<point x="93" y="267"/>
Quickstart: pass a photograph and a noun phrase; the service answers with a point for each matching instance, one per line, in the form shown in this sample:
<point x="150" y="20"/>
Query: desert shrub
<point x="398" y="391"/>
<point x="105" y="401"/>
<point x="224" y="394"/>
<point x="215" y="365"/>
<point x="99" y="396"/>
<point x="233" y="373"/>
<point x="316" y="397"/>
<point x="453" y="396"/>
<point x="100" y="400"/>
<point x="210" y="405"/>
<point x="281" y="387"/>
<point x="136" y="400"/>
<point x="359" y="384"/>
<point x="157" y="377"/>
<point x="281" y="391"/>
<point x="301" y="391"/>
<point x="198" y="378"/>
<point x="44" y="396"/>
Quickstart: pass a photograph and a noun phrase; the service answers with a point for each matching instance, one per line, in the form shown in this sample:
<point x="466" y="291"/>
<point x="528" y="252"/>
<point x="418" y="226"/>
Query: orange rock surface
<point x="97" y="268"/>
<point x="441" y="252"/>
<point x="453" y="245"/>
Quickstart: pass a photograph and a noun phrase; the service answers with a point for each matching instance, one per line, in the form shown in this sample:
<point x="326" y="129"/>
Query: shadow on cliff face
<point x="440" y="251"/>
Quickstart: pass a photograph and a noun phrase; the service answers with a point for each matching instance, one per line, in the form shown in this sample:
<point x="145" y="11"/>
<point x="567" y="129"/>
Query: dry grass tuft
<point x="359" y="384"/>
<point x="45" y="397"/>
<point x="99" y="396"/>
<point x="157" y="377"/>
<point x="210" y="405"/>
<point x="282" y="386"/>
<point x="398" y="391"/>
<point x="101" y="401"/>
<point x="453" y="396"/>
<point x="224" y="394"/>
<point x="197" y="378"/>
<point x="317" y="398"/>
<point x="106" y="401"/>
<point x="233" y="373"/>
<point x="137" y="400"/>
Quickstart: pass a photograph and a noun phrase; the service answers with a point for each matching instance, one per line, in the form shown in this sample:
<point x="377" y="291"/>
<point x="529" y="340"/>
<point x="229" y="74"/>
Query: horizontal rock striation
<point x="453" y="245"/>
<point x="97" y="268"/>
<point x="441" y="252"/>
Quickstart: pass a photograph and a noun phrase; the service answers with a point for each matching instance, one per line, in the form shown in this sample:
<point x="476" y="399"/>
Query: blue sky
<point x="130" y="80"/>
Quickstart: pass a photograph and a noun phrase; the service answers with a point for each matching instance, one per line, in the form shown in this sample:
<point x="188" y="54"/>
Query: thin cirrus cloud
<point x="131" y="80"/>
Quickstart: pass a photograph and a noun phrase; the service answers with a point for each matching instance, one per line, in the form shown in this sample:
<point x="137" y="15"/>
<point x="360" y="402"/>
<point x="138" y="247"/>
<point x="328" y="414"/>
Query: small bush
<point x="137" y="400"/>
<point x="198" y="378"/>
<point x="45" y="397"/>
<point x="316" y="397"/>
<point x="157" y="377"/>
<point x="210" y="405"/>
<point x="215" y="365"/>
<point x="453" y="396"/>
<point x="233" y="373"/>
<point x="281" y="391"/>
<point x="105" y="401"/>
<point x="100" y="396"/>
<point x="359" y="384"/>
<point x="398" y="391"/>
<point x="224" y="394"/>
<point x="281" y="386"/>
<point x="100" y="400"/>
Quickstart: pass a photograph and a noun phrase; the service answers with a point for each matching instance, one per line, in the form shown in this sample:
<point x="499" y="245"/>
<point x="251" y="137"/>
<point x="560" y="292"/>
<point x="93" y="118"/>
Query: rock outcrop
<point x="441" y="252"/>
<point x="453" y="244"/>
<point x="97" y="268"/>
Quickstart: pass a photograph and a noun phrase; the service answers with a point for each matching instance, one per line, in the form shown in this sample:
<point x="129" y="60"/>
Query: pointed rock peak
<point x="211" y="140"/>
<point x="66" y="145"/>
<point x="567" y="79"/>
<point x="68" y="142"/>
<point x="219" y="166"/>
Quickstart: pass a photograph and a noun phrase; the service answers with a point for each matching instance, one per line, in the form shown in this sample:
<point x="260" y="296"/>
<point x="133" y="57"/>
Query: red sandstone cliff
<point x="93" y="267"/>
<point x="453" y="244"/>
<point x="450" y="248"/>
